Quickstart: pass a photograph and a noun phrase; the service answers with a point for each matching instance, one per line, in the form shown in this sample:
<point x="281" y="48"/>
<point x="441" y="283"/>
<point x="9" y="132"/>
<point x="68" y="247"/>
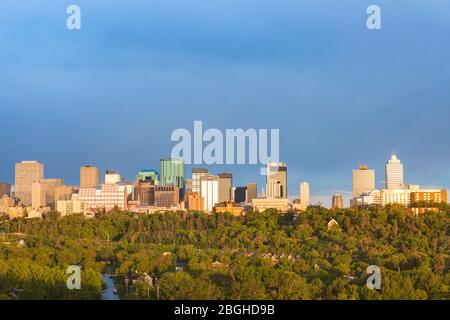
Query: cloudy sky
<point x="111" y="93"/>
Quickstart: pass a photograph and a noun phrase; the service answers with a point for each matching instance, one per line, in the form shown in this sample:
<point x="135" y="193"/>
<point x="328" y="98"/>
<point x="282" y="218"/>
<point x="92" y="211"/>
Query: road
<point x="108" y="294"/>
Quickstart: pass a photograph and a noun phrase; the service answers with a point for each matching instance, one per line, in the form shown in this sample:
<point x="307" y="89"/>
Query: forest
<point x="262" y="256"/>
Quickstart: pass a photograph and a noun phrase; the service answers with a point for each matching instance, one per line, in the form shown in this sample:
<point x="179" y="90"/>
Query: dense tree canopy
<point x="258" y="256"/>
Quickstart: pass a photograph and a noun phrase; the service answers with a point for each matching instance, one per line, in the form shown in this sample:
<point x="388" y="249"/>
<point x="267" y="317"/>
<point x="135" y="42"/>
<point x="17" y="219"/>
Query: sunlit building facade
<point x="89" y="177"/>
<point x="106" y="196"/>
<point x="26" y="173"/>
<point x="363" y="180"/>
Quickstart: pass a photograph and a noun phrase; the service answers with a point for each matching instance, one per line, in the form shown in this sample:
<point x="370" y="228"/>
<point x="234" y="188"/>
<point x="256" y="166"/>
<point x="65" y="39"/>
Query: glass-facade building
<point x="172" y="174"/>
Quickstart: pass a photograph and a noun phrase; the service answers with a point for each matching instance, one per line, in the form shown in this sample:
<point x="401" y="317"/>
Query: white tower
<point x="304" y="195"/>
<point x="394" y="174"/>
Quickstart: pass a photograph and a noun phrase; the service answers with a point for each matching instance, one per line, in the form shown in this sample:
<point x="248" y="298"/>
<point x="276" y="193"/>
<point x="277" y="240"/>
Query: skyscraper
<point x="394" y="174"/>
<point x="363" y="180"/>
<point x="252" y="192"/>
<point x="209" y="188"/>
<point x="172" y="174"/>
<point x="197" y="173"/>
<point x="337" y="202"/>
<point x="26" y="173"/>
<point x="89" y="177"/>
<point x="304" y="196"/>
<point x="225" y="187"/>
<point x="240" y="194"/>
<point x="276" y="185"/>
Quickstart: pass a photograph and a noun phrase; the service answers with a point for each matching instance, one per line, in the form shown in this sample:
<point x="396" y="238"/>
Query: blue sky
<point x="112" y="93"/>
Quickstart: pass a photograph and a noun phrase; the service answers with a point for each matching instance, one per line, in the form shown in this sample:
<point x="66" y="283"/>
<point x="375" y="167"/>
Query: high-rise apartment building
<point x="43" y="192"/>
<point x="363" y="180"/>
<point x="252" y="192"/>
<point x="209" y="186"/>
<point x="304" y="196"/>
<point x="5" y="189"/>
<point x="89" y="177"/>
<point x="225" y="187"/>
<point x="26" y="173"/>
<point x="394" y="174"/>
<point x="337" y="202"/>
<point x="172" y="174"/>
<point x="197" y="174"/>
<point x="276" y="185"/>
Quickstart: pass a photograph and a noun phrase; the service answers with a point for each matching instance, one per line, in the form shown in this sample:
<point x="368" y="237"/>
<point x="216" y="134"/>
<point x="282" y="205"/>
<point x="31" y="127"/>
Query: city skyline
<point x="224" y="151"/>
<point x="109" y="176"/>
<point x="150" y="69"/>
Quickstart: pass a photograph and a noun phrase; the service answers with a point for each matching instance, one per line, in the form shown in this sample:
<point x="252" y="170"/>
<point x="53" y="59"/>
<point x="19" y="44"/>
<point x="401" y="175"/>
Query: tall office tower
<point x="43" y="192"/>
<point x="5" y="189"/>
<point x="240" y="194"/>
<point x="151" y="175"/>
<point x="172" y="174"/>
<point x="304" y="196"/>
<point x="394" y="174"/>
<point x="209" y="191"/>
<point x="276" y="185"/>
<point x="337" y="202"/>
<point x="197" y="173"/>
<point x="89" y="177"/>
<point x="112" y="177"/>
<point x="225" y="187"/>
<point x="252" y="192"/>
<point x="363" y="180"/>
<point x="27" y="172"/>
